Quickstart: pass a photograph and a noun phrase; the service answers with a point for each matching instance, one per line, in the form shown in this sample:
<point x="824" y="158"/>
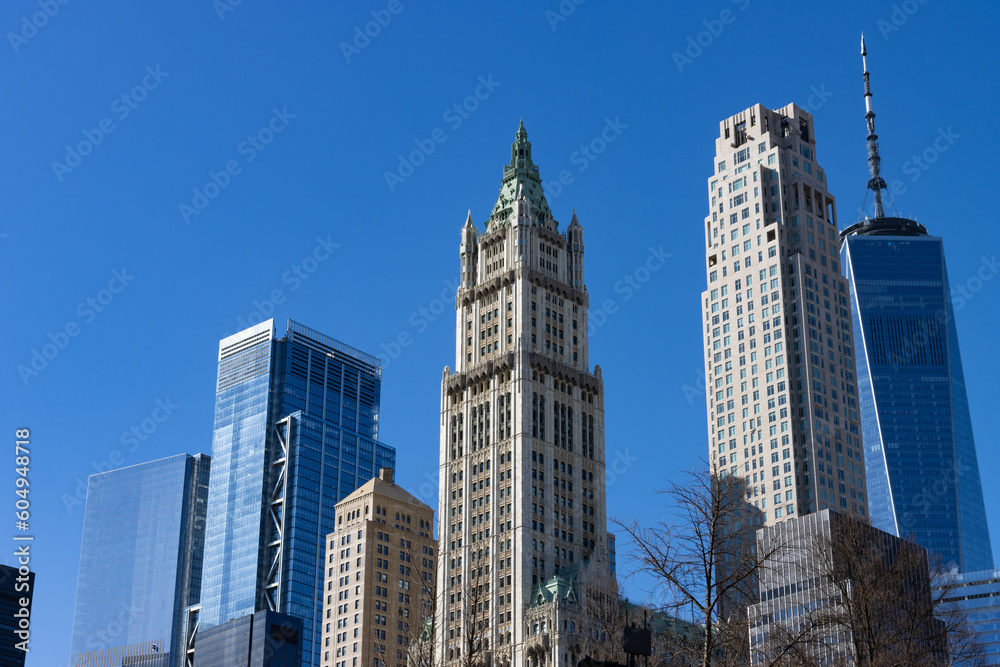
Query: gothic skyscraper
<point x="522" y="506"/>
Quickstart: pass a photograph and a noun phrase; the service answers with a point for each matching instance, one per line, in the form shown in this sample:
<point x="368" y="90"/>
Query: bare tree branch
<point x="705" y="561"/>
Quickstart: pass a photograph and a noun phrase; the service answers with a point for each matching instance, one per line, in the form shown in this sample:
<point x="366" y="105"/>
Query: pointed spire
<point x="521" y="180"/>
<point x="875" y="184"/>
<point x="574" y="222"/>
<point x="468" y="220"/>
<point x="520" y="153"/>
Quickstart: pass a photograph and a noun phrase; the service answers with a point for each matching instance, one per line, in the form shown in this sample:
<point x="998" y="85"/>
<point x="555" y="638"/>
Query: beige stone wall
<point x="380" y="568"/>
<point x="780" y="371"/>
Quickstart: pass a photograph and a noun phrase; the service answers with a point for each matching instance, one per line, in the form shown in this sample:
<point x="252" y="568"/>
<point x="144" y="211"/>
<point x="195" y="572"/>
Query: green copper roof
<point x="561" y="586"/>
<point x="521" y="172"/>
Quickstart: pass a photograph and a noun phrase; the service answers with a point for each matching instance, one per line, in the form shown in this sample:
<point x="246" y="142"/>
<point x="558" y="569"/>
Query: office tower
<point x="15" y="589"/>
<point x="380" y="564"/>
<point x="832" y="575"/>
<point x="977" y="594"/>
<point x="296" y="430"/>
<point x="779" y="364"/>
<point x="923" y="474"/>
<point x="262" y="639"/>
<point x="140" y="562"/>
<point x="522" y="507"/>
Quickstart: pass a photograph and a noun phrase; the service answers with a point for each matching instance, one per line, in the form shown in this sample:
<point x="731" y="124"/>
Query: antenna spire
<point x="875" y="184"/>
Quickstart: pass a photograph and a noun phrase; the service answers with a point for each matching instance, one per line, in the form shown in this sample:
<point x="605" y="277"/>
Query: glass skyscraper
<point x="923" y="475"/>
<point x="296" y="430"/>
<point x="978" y="595"/>
<point x="140" y="562"/>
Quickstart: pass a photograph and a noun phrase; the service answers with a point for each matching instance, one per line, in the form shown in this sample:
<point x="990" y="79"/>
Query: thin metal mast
<point x="875" y="184"/>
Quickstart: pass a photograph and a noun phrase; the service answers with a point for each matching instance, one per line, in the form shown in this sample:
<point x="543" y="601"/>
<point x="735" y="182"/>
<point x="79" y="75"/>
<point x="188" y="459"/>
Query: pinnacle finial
<point x="468" y="220"/>
<point x="521" y="132"/>
<point x="574" y="221"/>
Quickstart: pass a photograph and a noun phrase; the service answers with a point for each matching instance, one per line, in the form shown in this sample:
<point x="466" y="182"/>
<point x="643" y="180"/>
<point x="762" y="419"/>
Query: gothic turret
<point x="468" y="251"/>
<point x="520" y="173"/>
<point x="574" y="251"/>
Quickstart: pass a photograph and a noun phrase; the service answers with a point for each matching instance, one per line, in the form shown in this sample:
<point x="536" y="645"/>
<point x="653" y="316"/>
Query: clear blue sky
<point x="211" y="83"/>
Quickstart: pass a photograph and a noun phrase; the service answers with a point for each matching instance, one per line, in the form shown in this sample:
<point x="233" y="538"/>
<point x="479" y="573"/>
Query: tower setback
<point x="522" y="508"/>
<point x="779" y="356"/>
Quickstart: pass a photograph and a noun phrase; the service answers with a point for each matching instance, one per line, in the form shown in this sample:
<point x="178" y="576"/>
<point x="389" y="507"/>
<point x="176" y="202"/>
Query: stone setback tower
<point x="779" y="359"/>
<point x="522" y="505"/>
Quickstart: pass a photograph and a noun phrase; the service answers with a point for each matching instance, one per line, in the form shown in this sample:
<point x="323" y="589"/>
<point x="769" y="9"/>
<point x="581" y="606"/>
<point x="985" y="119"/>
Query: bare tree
<point x="476" y="617"/>
<point x="420" y="637"/>
<point x="705" y="562"/>
<point x="417" y="651"/>
<point x="419" y="632"/>
<point x="863" y="597"/>
<point x="604" y="609"/>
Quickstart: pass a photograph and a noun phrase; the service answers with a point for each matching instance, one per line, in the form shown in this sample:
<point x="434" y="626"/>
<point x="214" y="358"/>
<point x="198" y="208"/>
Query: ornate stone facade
<point x="522" y="504"/>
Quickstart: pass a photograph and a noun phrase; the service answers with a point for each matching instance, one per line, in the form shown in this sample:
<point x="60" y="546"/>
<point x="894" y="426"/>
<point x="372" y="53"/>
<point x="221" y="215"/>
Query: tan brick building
<point x="380" y="568"/>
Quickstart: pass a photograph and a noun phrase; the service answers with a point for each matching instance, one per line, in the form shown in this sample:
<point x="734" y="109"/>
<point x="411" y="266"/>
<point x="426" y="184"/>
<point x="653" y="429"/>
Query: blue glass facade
<point x="263" y="639"/>
<point x="140" y="561"/>
<point x="296" y="431"/>
<point x="920" y="456"/>
<point x="978" y="595"/>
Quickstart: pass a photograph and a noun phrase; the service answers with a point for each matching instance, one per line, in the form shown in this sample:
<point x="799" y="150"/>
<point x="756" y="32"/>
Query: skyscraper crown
<point x="521" y="173"/>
